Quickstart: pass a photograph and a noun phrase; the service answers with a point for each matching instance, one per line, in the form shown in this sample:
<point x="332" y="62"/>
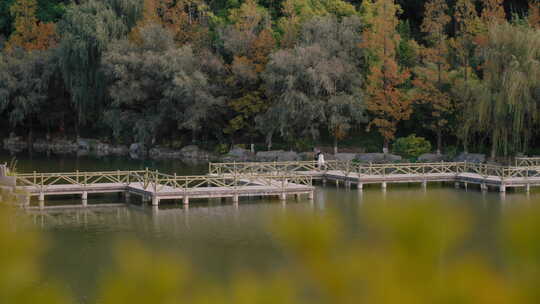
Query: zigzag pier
<point x="252" y="179"/>
<point x="153" y="186"/>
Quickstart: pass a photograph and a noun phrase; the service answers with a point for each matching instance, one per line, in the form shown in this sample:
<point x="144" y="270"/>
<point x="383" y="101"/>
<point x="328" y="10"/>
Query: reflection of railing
<point x="361" y="169"/>
<point x="155" y="180"/>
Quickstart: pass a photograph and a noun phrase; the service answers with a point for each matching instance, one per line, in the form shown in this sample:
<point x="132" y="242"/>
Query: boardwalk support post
<point x="186" y="200"/>
<point x="235" y="198"/>
<point x="528" y="188"/>
<point x="155" y="200"/>
<point x="360" y="186"/>
<point x="383" y="185"/>
<point x="283" y="196"/>
<point x="502" y="188"/>
<point x="424" y="185"/>
<point x="456" y="185"/>
<point x="311" y="195"/>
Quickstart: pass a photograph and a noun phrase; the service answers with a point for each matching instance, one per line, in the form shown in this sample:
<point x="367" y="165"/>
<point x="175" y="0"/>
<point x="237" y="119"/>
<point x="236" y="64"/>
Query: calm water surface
<point x="216" y="236"/>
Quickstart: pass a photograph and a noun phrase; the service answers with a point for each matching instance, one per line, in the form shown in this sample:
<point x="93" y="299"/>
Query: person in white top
<point x="320" y="161"/>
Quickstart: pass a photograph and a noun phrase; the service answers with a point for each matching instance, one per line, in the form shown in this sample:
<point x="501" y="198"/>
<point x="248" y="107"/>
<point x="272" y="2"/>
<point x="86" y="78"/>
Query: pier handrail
<point x="370" y="169"/>
<point x="155" y="179"/>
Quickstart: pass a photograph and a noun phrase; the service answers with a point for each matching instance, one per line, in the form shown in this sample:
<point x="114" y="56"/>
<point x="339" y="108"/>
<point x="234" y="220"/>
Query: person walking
<point x="320" y="161"/>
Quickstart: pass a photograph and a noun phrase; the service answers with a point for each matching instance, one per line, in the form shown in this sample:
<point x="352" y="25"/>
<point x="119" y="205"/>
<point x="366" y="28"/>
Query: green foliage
<point x="411" y="146"/>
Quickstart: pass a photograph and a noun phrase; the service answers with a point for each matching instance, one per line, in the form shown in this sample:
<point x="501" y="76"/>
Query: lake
<point x="216" y="236"/>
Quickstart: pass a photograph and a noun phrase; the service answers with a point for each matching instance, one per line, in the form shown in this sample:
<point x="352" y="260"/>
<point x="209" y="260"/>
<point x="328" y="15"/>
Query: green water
<point x="216" y="236"/>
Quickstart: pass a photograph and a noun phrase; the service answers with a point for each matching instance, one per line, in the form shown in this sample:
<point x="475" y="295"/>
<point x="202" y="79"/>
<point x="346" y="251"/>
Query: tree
<point x="386" y="102"/>
<point x="428" y="86"/>
<point x="493" y="11"/>
<point x="468" y="26"/>
<point x="534" y="14"/>
<point x="249" y="41"/>
<point x="156" y="87"/>
<point x="24" y="80"/>
<point x="315" y="85"/>
<point x="30" y="34"/>
<point x="507" y="103"/>
<point x="86" y="31"/>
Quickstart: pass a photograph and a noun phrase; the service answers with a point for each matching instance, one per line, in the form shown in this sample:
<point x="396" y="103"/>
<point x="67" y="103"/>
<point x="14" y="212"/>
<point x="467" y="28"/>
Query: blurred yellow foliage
<point x="402" y="252"/>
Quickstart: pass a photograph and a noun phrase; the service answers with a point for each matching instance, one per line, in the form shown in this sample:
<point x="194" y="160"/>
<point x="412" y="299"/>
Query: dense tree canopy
<point x="460" y="72"/>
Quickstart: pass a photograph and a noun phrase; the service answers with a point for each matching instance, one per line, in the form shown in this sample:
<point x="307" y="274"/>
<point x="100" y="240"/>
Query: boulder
<point x="136" y="148"/>
<point x="344" y="156"/>
<point x="431" y="157"/>
<point x="370" y="157"/>
<point x="239" y="152"/>
<point x="392" y="158"/>
<point x="470" y="157"/>
<point x="83" y="144"/>
<point x="193" y="152"/>
<point x="277" y="155"/>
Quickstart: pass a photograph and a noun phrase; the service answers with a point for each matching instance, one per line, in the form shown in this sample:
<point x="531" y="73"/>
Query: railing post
<point x="35" y="178"/>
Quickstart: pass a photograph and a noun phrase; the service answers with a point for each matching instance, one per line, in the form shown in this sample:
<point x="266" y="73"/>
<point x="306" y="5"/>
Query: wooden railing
<point x="157" y="181"/>
<point x="361" y="169"/>
<point x="527" y="161"/>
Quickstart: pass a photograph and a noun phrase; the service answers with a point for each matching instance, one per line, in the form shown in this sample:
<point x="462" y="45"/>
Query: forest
<point x="465" y="74"/>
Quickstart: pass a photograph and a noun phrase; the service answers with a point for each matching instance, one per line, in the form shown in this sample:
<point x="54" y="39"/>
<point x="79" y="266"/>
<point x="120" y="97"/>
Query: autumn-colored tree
<point x="534" y="14"/>
<point x="428" y="85"/>
<point x="387" y="103"/>
<point x="187" y="21"/>
<point x="30" y="34"/>
<point x="250" y="41"/>
<point x="467" y="25"/>
<point x="493" y="11"/>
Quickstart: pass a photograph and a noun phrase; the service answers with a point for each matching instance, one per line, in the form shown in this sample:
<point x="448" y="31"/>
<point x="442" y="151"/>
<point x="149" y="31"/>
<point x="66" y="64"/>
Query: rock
<point x="370" y="157"/>
<point x="344" y="156"/>
<point x="278" y="155"/>
<point x="194" y="152"/>
<point x="15" y="143"/>
<point x="240" y="154"/>
<point x="470" y="157"/>
<point x="83" y="144"/>
<point x="307" y="156"/>
<point x="431" y="157"/>
<point x="136" y="148"/>
<point x="392" y="158"/>
<point x="378" y="158"/>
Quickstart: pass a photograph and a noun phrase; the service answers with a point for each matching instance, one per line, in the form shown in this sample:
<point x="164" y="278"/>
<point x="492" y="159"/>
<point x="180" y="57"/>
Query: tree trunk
<point x="439" y="142"/>
<point x="493" y="151"/>
<point x="269" y="142"/>
<point x="385" y="146"/>
<point x="335" y="145"/>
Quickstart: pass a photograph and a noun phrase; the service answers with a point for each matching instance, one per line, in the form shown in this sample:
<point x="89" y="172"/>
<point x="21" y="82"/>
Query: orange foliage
<point x="493" y="11"/>
<point x="177" y="17"/>
<point x="387" y="103"/>
<point x="30" y="34"/>
<point x="261" y="48"/>
<point x="534" y="14"/>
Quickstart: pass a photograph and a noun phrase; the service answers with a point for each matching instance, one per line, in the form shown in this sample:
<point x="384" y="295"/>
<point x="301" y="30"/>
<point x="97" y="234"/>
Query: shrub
<point x="411" y="146"/>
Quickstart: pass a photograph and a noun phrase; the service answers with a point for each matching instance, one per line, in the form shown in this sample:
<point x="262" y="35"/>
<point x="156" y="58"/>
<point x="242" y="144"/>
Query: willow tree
<point x="24" y="83"/>
<point x="157" y="88"/>
<point x="315" y="85"/>
<point x="86" y="31"/>
<point x="507" y="105"/>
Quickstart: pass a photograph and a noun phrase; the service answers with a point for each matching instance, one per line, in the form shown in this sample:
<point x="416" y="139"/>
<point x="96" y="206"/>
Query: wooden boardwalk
<point x="500" y="177"/>
<point x="281" y="179"/>
<point x="155" y="186"/>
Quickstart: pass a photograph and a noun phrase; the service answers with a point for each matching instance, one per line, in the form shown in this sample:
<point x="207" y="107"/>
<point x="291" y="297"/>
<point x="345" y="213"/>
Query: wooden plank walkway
<point x="155" y="186"/>
<point x="234" y="180"/>
<point x="350" y="173"/>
